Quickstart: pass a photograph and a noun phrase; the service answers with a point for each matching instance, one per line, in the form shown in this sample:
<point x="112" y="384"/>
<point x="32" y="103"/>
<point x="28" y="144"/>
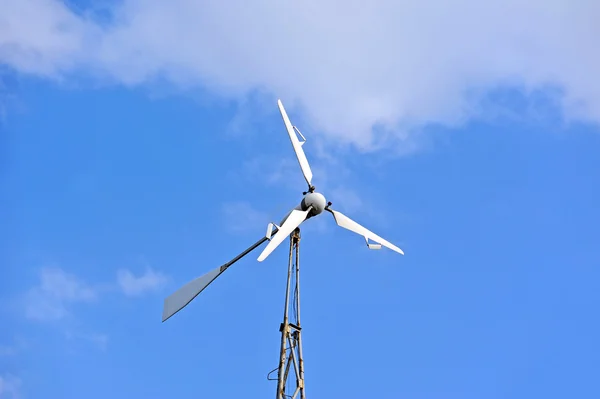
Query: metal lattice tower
<point x="290" y="352"/>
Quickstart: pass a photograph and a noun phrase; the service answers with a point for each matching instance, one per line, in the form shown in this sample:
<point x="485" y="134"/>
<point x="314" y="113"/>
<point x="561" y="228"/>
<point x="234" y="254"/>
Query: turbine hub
<point x="316" y="200"/>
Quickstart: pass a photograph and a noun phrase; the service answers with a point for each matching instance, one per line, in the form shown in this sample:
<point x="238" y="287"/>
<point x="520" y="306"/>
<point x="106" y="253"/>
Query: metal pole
<point x="284" y="328"/>
<point x="298" y="332"/>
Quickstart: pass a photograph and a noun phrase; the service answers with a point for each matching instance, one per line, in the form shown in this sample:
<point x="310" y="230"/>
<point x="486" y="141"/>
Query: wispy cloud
<point x="250" y="116"/>
<point x="386" y="66"/>
<point x="149" y="281"/>
<point x="361" y="205"/>
<point x="57" y="290"/>
<point x="55" y="296"/>
<point x="97" y="339"/>
<point x="347" y="199"/>
<point x="7" y="350"/>
<point x="282" y="172"/>
<point x="10" y="386"/>
<point x="241" y="216"/>
<point x="13" y="348"/>
<point x="8" y="88"/>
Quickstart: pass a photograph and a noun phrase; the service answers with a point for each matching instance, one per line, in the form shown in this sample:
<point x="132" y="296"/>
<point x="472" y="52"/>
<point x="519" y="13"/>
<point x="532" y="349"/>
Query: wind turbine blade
<point x="183" y="296"/>
<point x="349" y="224"/>
<point x="294" y="220"/>
<point x="180" y="298"/>
<point x="297" y="145"/>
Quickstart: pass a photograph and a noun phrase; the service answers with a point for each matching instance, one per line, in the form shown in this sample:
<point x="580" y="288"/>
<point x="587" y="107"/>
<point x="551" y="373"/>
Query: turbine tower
<point x="312" y="204"/>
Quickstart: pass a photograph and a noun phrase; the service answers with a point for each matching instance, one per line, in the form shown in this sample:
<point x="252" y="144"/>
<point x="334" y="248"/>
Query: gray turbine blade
<point x="180" y="298"/>
<point x="349" y="224"/>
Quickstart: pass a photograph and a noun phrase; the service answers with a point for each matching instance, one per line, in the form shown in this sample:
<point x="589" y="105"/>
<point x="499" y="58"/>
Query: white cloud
<point x="350" y="65"/>
<point x="57" y="289"/>
<point x="10" y="387"/>
<point x="136" y="286"/>
<point x="53" y="298"/>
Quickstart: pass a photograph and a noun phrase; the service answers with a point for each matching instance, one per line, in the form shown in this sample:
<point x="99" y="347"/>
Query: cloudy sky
<point x="142" y="147"/>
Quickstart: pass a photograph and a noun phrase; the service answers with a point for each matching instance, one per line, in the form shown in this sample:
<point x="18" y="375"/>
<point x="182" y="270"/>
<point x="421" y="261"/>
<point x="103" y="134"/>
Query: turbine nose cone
<point x="316" y="200"/>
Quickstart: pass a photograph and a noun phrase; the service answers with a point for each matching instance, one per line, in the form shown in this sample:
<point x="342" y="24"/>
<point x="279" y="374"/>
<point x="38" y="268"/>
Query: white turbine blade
<point x="347" y="223"/>
<point x="294" y="220"/>
<point x="180" y="298"/>
<point x="297" y="145"/>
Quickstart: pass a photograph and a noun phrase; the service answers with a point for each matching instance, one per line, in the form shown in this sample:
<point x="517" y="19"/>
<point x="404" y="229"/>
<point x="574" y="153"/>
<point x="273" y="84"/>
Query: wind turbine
<point x="312" y="204"/>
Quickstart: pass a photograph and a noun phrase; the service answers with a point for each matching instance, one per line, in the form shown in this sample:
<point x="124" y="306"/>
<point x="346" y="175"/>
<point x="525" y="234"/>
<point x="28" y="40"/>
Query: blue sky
<point x="118" y="187"/>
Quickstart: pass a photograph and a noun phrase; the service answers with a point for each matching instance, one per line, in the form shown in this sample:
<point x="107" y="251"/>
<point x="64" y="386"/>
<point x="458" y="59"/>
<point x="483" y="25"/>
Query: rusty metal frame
<point x="291" y="333"/>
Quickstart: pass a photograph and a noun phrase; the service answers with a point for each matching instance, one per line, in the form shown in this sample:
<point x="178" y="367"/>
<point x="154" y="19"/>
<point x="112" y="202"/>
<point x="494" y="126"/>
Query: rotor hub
<point x="316" y="200"/>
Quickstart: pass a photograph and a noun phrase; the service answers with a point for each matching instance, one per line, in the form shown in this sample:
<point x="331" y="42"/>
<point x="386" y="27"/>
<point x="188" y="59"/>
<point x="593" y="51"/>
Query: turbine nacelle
<point x="315" y="201"/>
